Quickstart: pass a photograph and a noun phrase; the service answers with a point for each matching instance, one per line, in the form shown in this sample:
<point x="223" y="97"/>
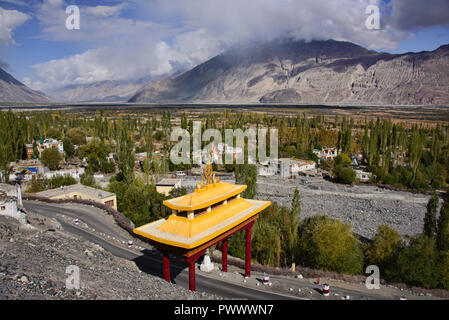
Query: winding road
<point x="179" y="271"/>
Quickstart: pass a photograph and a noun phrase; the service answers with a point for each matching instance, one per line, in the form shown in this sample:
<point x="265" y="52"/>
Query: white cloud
<point x="9" y="20"/>
<point x="105" y="11"/>
<point x="249" y="20"/>
<point x="100" y="25"/>
<point x="150" y="58"/>
<point x="189" y="32"/>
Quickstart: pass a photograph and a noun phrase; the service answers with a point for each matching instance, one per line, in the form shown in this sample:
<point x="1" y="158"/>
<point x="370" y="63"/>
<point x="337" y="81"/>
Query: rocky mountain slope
<point x="289" y="71"/>
<point x="33" y="264"/>
<point x="104" y="91"/>
<point x="12" y="90"/>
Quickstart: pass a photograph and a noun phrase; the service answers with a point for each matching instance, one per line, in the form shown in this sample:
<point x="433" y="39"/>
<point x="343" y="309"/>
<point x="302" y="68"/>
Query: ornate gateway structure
<point x="209" y="215"/>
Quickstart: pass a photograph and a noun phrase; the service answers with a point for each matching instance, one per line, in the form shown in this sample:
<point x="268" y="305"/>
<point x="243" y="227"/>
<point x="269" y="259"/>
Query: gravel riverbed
<point x="365" y="207"/>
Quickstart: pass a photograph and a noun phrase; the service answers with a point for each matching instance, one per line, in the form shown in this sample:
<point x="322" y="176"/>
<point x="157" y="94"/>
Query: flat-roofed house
<point x="166" y="185"/>
<point x="302" y="165"/>
<point x="326" y="153"/>
<point x="79" y="191"/>
<point x="29" y="151"/>
<point x="10" y="201"/>
<point x="291" y="166"/>
<point x="363" y="176"/>
<point x="50" y="143"/>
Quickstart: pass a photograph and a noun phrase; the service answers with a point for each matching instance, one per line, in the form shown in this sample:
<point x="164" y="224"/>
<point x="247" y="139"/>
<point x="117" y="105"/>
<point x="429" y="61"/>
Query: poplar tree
<point x="443" y="227"/>
<point x="430" y="219"/>
<point x="126" y="156"/>
<point x="295" y="213"/>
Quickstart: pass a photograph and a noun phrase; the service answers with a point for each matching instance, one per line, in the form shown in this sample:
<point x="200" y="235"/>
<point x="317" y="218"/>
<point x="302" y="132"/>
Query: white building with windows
<point x="11" y="201"/>
<point x="291" y="166"/>
<point x="326" y="153"/>
<point x="50" y="143"/>
<point x="363" y="176"/>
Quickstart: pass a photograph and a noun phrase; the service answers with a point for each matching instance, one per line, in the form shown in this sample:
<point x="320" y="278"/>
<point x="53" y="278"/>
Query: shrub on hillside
<point x="415" y="263"/>
<point x="51" y="158"/>
<point x="329" y="245"/>
<point x="266" y="244"/>
<point x="385" y="245"/>
<point x="344" y="174"/>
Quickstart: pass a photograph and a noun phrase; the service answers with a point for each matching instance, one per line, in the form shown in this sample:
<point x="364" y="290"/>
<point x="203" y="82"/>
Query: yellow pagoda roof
<point x="205" y="197"/>
<point x="188" y="233"/>
<point x="189" y="226"/>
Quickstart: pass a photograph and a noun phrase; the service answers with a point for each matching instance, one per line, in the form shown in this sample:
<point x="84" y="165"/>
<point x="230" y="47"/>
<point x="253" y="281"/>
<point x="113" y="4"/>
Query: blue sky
<point x="128" y="40"/>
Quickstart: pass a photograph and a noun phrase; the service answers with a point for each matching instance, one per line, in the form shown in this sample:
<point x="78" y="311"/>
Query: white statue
<point x="207" y="265"/>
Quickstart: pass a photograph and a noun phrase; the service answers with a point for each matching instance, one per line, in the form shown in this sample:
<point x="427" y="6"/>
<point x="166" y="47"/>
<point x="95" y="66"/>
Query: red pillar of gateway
<point x="191" y="261"/>
<point x="166" y="267"/>
<point x="224" y="256"/>
<point x="248" y="251"/>
<point x="192" y="276"/>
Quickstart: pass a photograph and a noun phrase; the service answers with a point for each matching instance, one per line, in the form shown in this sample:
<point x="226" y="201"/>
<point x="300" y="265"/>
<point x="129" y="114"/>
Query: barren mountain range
<point x="289" y="71"/>
<point x="282" y="71"/>
<point x="12" y="90"/>
<point x="103" y="91"/>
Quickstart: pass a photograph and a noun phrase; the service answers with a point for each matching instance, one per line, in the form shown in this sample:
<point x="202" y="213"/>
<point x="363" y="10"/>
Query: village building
<point x="291" y="166"/>
<point x="24" y="170"/>
<point x="79" y="191"/>
<point x="196" y="171"/>
<point x="75" y="173"/>
<point x="50" y="143"/>
<point x="165" y="186"/>
<point x="29" y="150"/>
<point x="363" y="176"/>
<point x="202" y="219"/>
<point x="326" y="153"/>
<point x="11" y="201"/>
<point x="266" y="170"/>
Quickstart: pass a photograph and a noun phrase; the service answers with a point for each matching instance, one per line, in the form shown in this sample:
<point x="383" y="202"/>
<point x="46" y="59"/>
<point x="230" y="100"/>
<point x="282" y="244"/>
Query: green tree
<point x="60" y="180"/>
<point x="77" y="136"/>
<point x="344" y="174"/>
<point x="294" y="217"/>
<point x="343" y="159"/>
<point x="51" y="158"/>
<point x="384" y="247"/>
<point x="69" y="148"/>
<point x="328" y="244"/>
<point x="430" y="219"/>
<point x="266" y="245"/>
<point x="88" y="180"/>
<point x="342" y="170"/>
<point x="443" y="227"/>
<point x="236" y="245"/>
<point x="247" y="174"/>
<point x="96" y="153"/>
<point x="442" y="270"/>
<point x="415" y="150"/>
<point x="415" y="263"/>
<point x="126" y="156"/>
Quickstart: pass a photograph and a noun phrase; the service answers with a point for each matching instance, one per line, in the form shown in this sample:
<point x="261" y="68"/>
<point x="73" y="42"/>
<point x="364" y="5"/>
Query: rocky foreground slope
<point x="289" y="71"/>
<point x="33" y="263"/>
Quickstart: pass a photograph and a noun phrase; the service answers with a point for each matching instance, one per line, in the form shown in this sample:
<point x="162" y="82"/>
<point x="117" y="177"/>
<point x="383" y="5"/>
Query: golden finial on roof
<point x="208" y="176"/>
<point x="208" y="171"/>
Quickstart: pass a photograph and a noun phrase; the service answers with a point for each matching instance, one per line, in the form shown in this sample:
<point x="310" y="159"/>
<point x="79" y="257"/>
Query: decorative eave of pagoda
<point x="205" y="197"/>
<point x="190" y="233"/>
<point x="213" y="209"/>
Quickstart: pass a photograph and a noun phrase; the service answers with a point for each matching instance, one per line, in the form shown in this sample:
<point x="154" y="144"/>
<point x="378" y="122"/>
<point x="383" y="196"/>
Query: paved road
<point x="179" y="272"/>
<point x="147" y="263"/>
